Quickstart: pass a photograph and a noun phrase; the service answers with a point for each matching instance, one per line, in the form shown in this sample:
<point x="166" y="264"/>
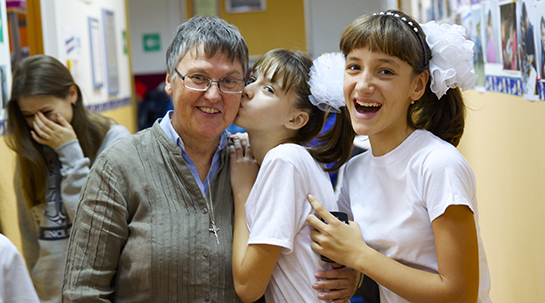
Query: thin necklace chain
<point x="214" y="228"/>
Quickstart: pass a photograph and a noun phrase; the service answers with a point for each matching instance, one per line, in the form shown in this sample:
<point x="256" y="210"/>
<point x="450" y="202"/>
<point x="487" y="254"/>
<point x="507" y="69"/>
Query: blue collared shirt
<point x="167" y="127"/>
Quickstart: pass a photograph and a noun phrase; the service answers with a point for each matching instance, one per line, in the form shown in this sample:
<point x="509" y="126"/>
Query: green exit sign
<point x="152" y="42"/>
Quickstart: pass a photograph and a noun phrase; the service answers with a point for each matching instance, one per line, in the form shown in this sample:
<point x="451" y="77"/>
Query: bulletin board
<point x="509" y="37"/>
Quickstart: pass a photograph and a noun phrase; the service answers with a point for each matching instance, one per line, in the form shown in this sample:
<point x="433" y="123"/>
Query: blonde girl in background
<point x="56" y="140"/>
<point x="412" y="195"/>
<point x="271" y="241"/>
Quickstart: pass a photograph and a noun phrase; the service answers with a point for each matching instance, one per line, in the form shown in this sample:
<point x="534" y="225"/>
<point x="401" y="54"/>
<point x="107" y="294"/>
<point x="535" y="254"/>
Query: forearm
<point x="456" y="281"/>
<point x="412" y="284"/>
<point x="74" y="171"/>
<point x="250" y="281"/>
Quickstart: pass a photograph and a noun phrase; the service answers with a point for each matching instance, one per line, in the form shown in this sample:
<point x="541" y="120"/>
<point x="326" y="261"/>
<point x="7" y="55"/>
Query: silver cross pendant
<point x="215" y="230"/>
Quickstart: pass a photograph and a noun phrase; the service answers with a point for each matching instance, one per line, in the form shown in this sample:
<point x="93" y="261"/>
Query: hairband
<point x="326" y="82"/>
<point x="411" y="25"/>
<point x="451" y="62"/>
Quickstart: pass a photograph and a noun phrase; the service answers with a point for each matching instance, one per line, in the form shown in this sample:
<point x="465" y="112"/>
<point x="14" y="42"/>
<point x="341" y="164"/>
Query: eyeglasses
<point x="203" y="83"/>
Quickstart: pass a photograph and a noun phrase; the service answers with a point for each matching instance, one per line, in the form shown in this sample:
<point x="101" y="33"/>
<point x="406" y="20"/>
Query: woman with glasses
<point x="155" y="220"/>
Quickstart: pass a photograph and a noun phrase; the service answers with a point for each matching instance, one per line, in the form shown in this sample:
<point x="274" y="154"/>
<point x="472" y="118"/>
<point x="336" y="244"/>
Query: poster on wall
<point x="526" y="48"/>
<point x="491" y="32"/>
<point x="474" y="33"/>
<point x="71" y="51"/>
<point x="97" y="70"/>
<point x="110" y="42"/>
<point x="205" y="8"/>
<point x="244" y="6"/>
<point x="509" y="37"/>
<point x="540" y="37"/>
<point x="3" y="86"/>
<point x="1" y="27"/>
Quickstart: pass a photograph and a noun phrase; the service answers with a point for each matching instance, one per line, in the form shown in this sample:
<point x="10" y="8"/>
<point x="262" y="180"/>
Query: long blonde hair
<point x="42" y="75"/>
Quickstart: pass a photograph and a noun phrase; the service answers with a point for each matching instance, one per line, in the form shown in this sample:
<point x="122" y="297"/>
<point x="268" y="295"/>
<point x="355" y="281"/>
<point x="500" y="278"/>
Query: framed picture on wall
<point x="205" y="8"/>
<point x="110" y="44"/>
<point x="96" y="55"/>
<point x="243" y="6"/>
<point x="3" y="88"/>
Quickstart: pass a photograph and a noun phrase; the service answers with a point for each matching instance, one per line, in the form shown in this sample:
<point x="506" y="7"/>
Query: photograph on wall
<point x="475" y="35"/>
<point x="491" y="32"/>
<point x="205" y="8"/>
<point x="97" y="70"/>
<point x="1" y="28"/>
<point x="110" y="44"/>
<point x="509" y="36"/>
<point x="243" y="6"/>
<point x="526" y="47"/>
<point x="540" y="9"/>
<point x="3" y="86"/>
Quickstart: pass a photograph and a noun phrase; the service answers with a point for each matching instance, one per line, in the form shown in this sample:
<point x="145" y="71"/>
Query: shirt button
<point x="206" y="253"/>
<point x="205" y="210"/>
<point x="206" y="298"/>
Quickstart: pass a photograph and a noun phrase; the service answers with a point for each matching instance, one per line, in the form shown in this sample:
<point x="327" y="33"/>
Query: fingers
<point x="37" y="138"/>
<point x="41" y="126"/>
<point x="248" y="152"/>
<point x="336" y="295"/>
<point x="322" y="212"/>
<point x="63" y="121"/>
<point x="340" y="283"/>
<point x="241" y="147"/>
<point x="53" y="133"/>
<point x="238" y="148"/>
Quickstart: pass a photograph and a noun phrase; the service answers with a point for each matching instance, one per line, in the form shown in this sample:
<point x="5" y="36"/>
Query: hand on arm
<point x="457" y="255"/>
<point x="341" y="283"/>
<point x="252" y="264"/>
<point x="51" y="133"/>
<point x="244" y="168"/>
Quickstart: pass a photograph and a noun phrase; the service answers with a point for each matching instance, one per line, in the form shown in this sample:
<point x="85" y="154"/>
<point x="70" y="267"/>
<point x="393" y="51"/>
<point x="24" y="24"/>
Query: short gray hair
<point x="214" y="35"/>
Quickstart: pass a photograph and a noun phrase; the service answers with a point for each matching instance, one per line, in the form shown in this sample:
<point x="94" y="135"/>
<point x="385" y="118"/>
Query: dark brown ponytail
<point x="335" y="145"/>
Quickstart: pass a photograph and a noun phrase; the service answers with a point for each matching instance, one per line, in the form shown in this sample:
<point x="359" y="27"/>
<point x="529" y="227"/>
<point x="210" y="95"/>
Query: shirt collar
<point x="169" y="130"/>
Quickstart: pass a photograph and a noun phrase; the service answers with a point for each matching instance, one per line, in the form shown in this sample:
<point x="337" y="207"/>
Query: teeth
<point x="209" y="110"/>
<point x="368" y="104"/>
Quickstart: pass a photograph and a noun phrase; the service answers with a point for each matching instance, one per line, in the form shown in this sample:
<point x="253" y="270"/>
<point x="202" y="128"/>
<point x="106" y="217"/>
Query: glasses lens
<point x="196" y="82"/>
<point x="231" y="85"/>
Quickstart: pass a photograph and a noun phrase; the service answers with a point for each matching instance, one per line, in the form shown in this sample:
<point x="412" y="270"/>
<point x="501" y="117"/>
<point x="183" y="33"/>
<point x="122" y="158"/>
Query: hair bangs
<point x="283" y="68"/>
<point x="385" y="34"/>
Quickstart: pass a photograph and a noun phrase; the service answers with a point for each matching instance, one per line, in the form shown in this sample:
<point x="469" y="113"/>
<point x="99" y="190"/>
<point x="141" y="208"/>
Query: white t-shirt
<point x="276" y="213"/>
<point x="15" y="283"/>
<point x="395" y="197"/>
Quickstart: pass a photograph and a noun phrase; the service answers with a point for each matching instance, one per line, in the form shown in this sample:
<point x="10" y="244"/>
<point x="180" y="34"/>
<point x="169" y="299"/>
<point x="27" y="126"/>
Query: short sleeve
<point x="273" y="213"/>
<point x="448" y="180"/>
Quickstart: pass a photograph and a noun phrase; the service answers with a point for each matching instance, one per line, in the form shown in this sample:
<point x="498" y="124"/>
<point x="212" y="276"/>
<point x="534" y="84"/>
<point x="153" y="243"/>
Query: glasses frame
<point x="209" y="83"/>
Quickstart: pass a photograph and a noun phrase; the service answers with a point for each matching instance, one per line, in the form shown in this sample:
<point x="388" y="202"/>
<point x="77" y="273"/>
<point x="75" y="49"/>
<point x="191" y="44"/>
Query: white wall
<point x="326" y="20"/>
<point x="159" y="16"/>
<point x="61" y="20"/>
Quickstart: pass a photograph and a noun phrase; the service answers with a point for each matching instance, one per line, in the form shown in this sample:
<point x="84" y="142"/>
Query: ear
<point x="73" y="94"/>
<point x="299" y="120"/>
<point x="421" y="81"/>
<point x="168" y="85"/>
